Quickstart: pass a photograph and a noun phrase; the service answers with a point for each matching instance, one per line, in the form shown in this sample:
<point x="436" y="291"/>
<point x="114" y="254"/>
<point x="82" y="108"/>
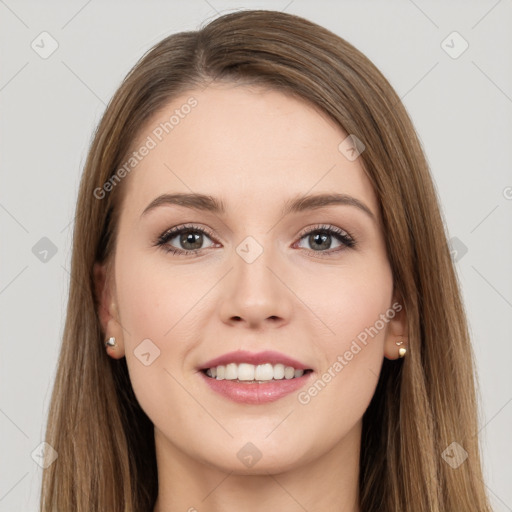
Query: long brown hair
<point x="422" y="404"/>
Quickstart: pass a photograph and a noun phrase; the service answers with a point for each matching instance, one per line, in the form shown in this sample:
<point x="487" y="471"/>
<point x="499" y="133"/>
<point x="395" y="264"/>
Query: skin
<point x="254" y="149"/>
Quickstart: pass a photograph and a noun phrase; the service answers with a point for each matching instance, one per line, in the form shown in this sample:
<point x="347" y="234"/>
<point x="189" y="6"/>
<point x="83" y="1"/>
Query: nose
<point x="255" y="293"/>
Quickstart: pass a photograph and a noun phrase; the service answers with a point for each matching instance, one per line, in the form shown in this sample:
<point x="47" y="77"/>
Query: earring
<point x="402" y="350"/>
<point x="111" y="342"/>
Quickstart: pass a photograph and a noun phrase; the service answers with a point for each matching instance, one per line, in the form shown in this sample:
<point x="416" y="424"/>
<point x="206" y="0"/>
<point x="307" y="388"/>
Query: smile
<point x="254" y="378"/>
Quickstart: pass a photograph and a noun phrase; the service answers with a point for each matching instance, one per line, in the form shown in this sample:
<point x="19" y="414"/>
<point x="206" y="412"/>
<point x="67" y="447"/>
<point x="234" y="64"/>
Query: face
<point x="313" y="285"/>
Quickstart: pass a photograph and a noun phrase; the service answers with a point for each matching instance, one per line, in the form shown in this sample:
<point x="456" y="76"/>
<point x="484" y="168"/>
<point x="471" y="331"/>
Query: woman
<point x="263" y="310"/>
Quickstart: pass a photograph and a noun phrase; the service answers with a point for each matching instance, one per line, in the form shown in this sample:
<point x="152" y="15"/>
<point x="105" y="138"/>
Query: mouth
<point x="254" y="378"/>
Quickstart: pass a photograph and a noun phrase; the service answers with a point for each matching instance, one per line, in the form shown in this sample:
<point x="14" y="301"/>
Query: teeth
<point x="249" y="372"/>
<point x="246" y="372"/>
<point x="289" y="372"/>
<point x="279" y="371"/>
<point x="264" y="372"/>
<point x="231" y="371"/>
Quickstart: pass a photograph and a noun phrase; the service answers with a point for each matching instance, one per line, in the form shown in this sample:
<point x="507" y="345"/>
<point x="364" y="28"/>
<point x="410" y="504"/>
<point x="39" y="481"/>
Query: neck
<point x="326" y="483"/>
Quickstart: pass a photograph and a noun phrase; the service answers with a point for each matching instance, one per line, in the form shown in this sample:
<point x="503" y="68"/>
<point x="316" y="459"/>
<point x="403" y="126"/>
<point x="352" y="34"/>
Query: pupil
<point x="191" y="238"/>
<point x="322" y="238"/>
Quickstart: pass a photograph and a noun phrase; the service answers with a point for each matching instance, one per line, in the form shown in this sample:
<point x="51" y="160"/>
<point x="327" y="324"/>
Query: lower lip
<point x="255" y="393"/>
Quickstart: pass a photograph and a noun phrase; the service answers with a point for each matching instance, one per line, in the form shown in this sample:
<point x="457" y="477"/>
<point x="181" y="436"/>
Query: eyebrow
<point x="296" y="204"/>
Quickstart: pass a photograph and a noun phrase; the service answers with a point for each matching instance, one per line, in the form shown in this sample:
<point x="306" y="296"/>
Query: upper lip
<point x="255" y="358"/>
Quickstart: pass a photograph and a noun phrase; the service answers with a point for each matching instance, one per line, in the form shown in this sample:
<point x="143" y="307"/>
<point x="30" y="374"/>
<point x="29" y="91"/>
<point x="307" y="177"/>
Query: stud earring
<point x="111" y="342"/>
<point x="402" y="350"/>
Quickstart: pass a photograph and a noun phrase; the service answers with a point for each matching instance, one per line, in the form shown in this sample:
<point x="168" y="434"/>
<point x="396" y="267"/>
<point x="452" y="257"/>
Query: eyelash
<point x="340" y="234"/>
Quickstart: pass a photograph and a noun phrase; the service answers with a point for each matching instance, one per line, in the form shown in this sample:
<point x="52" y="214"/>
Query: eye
<point x="190" y="237"/>
<point x="320" y="239"/>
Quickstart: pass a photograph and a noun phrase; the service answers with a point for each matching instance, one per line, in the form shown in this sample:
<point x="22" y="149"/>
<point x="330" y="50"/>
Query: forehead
<point x="243" y="143"/>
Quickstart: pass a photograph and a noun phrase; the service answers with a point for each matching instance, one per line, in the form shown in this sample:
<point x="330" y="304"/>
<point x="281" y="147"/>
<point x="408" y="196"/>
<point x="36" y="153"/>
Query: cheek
<point x="356" y="306"/>
<point x="153" y="298"/>
<point x="349" y="301"/>
<point x="166" y="304"/>
<point x="159" y="307"/>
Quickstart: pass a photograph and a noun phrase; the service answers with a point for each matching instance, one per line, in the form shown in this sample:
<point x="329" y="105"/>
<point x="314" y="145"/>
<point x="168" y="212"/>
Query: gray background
<point x="461" y="107"/>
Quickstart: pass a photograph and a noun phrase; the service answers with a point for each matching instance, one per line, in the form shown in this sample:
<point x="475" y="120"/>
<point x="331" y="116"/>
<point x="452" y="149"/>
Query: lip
<point x="255" y="393"/>
<point x="255" y="358"/>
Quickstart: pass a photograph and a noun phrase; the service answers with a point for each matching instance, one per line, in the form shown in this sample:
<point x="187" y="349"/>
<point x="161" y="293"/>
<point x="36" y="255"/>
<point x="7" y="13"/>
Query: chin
<point x="262" y="467"/>
<point x="256" y="458"/>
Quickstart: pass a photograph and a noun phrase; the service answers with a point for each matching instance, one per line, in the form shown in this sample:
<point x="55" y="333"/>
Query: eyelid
<point x="325" y="227"/>
<point x="182" y="227"/>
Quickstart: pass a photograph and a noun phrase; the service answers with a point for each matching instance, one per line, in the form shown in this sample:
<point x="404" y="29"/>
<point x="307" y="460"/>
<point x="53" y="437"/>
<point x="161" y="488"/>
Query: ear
<point x="104" y="288"/>
<point x="397" y="331"/>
